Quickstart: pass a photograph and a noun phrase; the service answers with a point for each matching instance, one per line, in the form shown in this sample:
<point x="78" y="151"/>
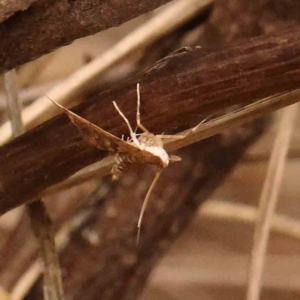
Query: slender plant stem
<point x="40" y="220"/>
<point x="43" y="230"/>
<point x="13" y="105"/>
<point x="268" y="200"/>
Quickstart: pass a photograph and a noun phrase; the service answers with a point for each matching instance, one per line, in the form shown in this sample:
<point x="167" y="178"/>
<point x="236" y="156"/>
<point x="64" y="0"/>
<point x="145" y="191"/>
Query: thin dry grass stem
<point x="33" y="272"/>
<point x="224" y="210"/>
<point x="163" y="22"/>
<point x="40" y="221"/>
<point x="12" y="100"/>
<point x="44" y="232"/>
<point x="205" y="130"/>
<point x="268" y="201"/>
<point x="26" y="281"/>
<point x="233" y="119"/>
<point x="99" y="170"/>
<point x="28" y="94"/>
<point x="139" y="225"/>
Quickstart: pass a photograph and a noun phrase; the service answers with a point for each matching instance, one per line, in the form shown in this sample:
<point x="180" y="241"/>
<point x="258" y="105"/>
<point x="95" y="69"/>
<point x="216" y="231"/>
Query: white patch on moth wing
<point x="160" y="152"/>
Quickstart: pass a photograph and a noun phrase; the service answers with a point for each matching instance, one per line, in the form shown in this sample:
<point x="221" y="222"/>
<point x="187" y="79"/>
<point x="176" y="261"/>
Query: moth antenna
<point x="154" y="181"/>
<point x="132" y="134"/>
<point x="55" y="103"/>
<point x="138" y="115"/>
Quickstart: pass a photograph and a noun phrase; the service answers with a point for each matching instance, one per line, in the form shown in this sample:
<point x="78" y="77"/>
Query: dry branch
<point x="79" y="82"/>
<point x="8" y="7"/>
<point x="174" y="93"/>
<point x="47" y="25"/>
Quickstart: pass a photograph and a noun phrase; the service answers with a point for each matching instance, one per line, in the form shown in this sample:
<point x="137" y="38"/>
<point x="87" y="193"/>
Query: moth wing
<point x="95" y="135"/>
<point x="104" y="140"/>
<point x="146" y="157"/>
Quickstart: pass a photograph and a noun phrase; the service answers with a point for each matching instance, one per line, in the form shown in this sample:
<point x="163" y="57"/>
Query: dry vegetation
<point x="242" y="63"/>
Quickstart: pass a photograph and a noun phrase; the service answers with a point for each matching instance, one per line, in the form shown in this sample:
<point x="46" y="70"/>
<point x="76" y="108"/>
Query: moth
<point x="144" y="148"/>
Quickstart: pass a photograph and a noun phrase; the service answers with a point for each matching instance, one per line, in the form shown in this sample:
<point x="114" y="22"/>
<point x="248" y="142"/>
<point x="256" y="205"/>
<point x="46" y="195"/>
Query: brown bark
<point x="10" y="7"/>
<point x="239" y="19"/>
<point x="49" y="24"/>
<point x="174" y="93"/>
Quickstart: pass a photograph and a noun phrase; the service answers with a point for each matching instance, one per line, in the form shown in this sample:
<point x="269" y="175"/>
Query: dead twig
<point x="176" y="94"/>
<point x="8" y="8"/>
<point x="12" y="100"/>
<point x="44" y="232"/>
<point x="40" y="221"/>
<point x="28" y="95"/>
<point x="162" y="23"/>
<point x="268" y="201"/>
<point x="52" y="24"/>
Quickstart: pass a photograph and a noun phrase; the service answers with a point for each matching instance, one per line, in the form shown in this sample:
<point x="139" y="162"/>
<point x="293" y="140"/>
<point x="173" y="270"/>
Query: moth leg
<point x="132" y="134"/>
<point x="174" y="137"/>
<point x="139" y="225"/>
<point x="138" y="115"/>
<point x="115" y="172"/>
<point x="174" y="158"/>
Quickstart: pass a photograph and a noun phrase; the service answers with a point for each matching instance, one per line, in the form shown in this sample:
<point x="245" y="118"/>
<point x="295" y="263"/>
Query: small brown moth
<point x="145" y="148"/>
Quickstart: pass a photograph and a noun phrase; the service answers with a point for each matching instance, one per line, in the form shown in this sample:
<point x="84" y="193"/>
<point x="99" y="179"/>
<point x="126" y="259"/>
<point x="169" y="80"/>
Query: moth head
<point x="148" y="139"/>
<point x="154" y="145"/>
